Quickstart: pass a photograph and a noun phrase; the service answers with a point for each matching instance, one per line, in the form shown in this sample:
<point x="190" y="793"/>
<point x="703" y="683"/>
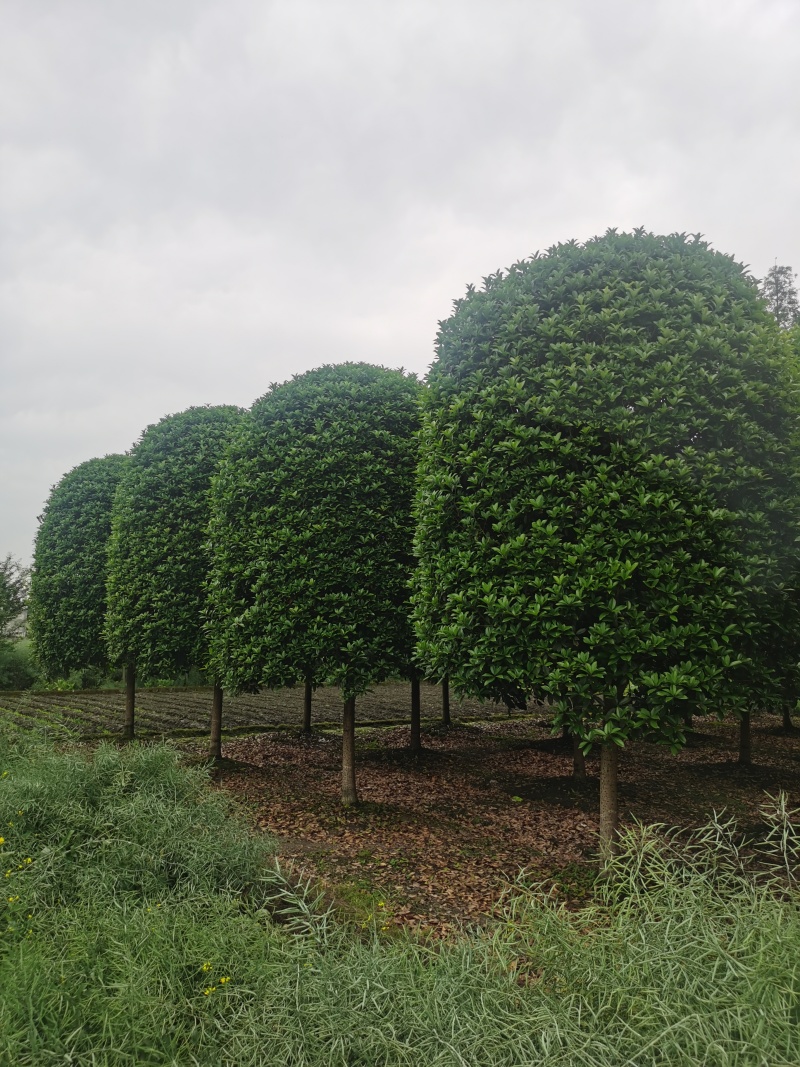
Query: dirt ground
<point x="183" y="711"/>
<point x="436" y="840"/>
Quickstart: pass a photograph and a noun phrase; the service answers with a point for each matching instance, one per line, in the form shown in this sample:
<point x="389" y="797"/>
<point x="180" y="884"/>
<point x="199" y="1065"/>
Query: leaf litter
<point x="436" y="840"/>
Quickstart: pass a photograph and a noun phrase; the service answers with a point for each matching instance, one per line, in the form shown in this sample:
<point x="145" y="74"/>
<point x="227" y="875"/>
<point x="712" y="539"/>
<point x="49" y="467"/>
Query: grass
<point x="142" y="924"/>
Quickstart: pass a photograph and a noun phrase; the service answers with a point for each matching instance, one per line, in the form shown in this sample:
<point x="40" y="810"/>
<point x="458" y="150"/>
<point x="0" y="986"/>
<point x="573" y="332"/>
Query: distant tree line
<point x="593" y="501"/>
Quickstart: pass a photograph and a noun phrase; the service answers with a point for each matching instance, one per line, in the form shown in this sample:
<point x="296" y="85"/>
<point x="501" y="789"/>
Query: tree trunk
<point x="788" y="725"/>
<point x="744" y="740"/>
<point x="445" y="701"/>
<point x="609" y="804"/>
<point x="578" y="760"/>
<point x="416" y="741"/>
<point x="130" y="700"/>
<point x="307" y="698"/>
<point x="215" y="750"/>
<point x="688" y="720"/>
<point x="349" y="794"/>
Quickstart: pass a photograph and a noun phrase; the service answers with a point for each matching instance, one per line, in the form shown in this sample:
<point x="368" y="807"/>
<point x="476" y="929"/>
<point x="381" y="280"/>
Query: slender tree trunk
<point x="130" y="700"/>
<point x="416" y="741"/>
<point x="744" y="740"/>
<point x="688" y="720"/>
<point x="788" y="725"/>
<point x="307" y="698"/>
<point x="609" y="803"/>
<point x="349" y="794"/>
<point x="445" y="701"/>
<point x="578" y="759"/>
<point x="215" y="750"/>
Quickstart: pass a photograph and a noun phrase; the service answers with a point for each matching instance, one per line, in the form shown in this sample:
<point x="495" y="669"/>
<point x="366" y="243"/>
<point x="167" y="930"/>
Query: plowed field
<point x="99" y="712"/>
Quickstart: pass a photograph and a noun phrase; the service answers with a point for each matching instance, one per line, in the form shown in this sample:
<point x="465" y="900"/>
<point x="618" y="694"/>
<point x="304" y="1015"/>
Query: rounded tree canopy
<point x="158" y="563"/>
<point x="605" y="498"/>
<point x="68" y="583"/>
<point x="311" y="533"/>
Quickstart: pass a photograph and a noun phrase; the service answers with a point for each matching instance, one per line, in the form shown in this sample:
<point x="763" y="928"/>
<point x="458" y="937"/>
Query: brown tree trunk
<point x="307" y="698"/>
<point x="578" y="759"/>
<point x="688" y="720"/>
<point x="788" y="725"/>
<point x="609" y="804"/>
<point x="349" y="794"/>
<point x="416" y="741"/>
<point x="445" y="701"/>
<point x="215" y="749"/>
<point x="130" y="700"/>
<point x="744" y="740"/>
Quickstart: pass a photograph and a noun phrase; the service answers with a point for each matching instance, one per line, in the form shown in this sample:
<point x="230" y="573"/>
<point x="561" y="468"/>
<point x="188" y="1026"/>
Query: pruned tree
<point x="779" y="293"/>
<point x="68" y="582"/>
<point x="606" y="506"/>
<point x="782" y="645"/>
<point x="311" y="538"/>
<point x="157" y="558"/>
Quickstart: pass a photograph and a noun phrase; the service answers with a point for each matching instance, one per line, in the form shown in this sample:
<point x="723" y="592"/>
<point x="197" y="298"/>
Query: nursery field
<point x="98" y="713"/>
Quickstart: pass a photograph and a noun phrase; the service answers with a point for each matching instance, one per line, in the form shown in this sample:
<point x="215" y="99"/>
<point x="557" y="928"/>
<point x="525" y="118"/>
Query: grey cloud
<point x="200" y="198"/>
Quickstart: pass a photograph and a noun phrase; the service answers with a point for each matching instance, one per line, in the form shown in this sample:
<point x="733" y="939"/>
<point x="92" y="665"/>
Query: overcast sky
<point x="200" y="198"/>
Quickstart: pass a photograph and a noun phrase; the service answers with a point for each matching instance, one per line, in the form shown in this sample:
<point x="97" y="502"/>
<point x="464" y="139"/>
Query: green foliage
<point x="68" y="584"/>
<point x="607" y="498"/>
<point x="17" y="667"/>
<point x="157" y="561"/>
<point x="779" y="292"/>
<point x="13" y="597"/>
<point x="311" y="533"/>
<point x="139" y="927"/>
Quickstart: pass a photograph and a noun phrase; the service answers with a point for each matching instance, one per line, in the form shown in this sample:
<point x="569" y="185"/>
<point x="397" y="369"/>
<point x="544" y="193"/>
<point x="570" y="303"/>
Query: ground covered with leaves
<point x="436" y="840"/>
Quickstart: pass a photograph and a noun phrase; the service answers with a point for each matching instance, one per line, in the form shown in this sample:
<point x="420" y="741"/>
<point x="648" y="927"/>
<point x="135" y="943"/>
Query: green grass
<point x="144" y="891"/>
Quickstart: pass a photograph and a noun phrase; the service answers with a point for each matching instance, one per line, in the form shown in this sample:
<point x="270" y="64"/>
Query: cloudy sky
<point x="199" y="198"/>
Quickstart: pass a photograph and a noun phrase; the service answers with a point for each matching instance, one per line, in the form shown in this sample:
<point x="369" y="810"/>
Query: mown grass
<point x="143" y="924"/>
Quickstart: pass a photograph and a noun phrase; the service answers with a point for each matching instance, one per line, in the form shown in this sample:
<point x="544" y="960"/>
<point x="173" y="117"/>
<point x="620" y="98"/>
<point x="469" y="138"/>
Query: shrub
<point x="311" y="533"/>
<point x="608" y="492"/>
<point x="157" y="562"/>
<point x="68" y="583"/>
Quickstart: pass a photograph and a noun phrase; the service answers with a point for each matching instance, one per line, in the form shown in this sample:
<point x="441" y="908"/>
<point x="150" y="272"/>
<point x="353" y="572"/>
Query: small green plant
<point x="141" y="923"/>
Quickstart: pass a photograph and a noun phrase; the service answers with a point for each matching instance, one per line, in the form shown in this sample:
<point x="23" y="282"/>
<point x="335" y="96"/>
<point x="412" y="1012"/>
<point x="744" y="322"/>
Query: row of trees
<point x="594" y="501"/>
